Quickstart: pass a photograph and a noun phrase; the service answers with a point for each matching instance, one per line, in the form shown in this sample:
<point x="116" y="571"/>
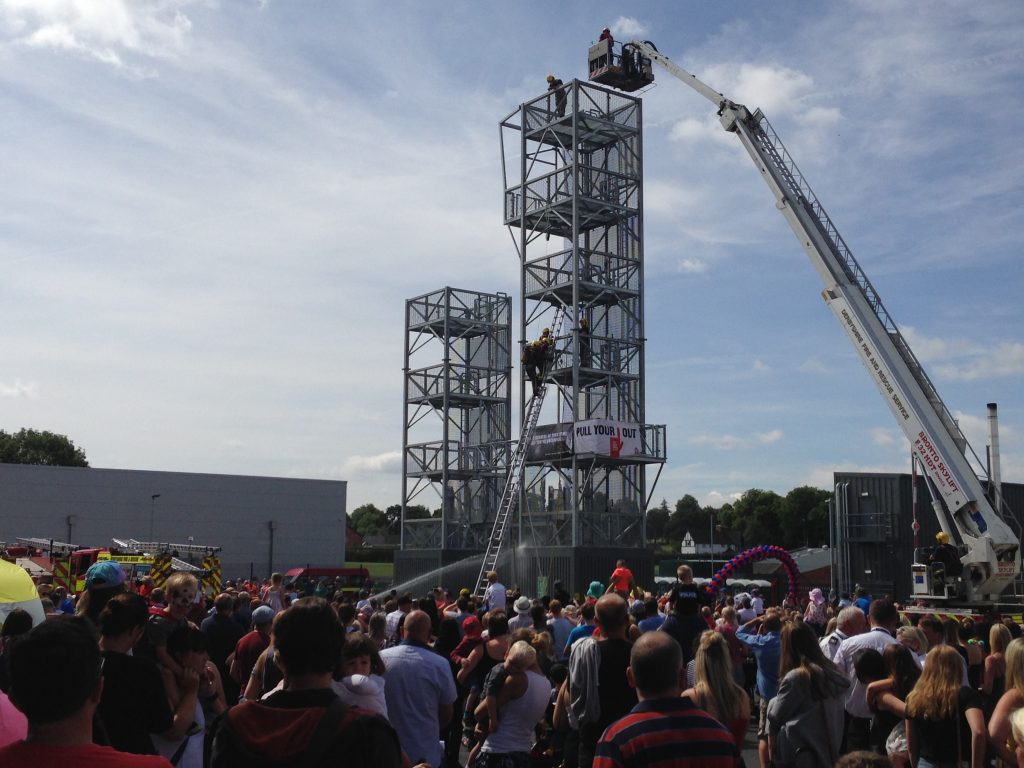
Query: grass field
<point x="383" y="574"/>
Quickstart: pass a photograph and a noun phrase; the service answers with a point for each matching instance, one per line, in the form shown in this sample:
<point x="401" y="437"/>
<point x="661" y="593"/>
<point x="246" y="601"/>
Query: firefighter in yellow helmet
<point x="945" y="559"/>
<point x="556" y="85"/>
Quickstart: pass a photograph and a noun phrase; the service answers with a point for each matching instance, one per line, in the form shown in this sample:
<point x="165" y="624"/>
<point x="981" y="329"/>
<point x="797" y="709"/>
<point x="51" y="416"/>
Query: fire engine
<point x="68" y="563"/>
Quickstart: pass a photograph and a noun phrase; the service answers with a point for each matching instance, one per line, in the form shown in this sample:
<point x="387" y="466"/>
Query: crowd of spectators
<point x="274" y="674"/>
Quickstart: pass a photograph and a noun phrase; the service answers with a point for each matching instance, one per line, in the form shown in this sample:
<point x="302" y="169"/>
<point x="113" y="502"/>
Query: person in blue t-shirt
<point x="585" y="629"/>
<point x="652" y="619"/>
<point x="766" y="643"/>
<point x="863" y="600"/>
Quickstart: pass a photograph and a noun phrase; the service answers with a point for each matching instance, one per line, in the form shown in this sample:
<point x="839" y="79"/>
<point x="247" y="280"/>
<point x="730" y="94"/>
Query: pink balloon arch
<point x="752" y="555"/>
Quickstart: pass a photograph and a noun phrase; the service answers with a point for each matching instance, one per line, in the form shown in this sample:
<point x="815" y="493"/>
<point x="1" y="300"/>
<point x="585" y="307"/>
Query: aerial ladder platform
<point x="989" y="548"/>
<point x="510" y="496"/>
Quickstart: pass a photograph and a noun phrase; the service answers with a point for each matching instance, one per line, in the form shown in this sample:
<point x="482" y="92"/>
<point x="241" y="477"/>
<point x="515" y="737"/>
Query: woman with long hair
<point x="805" y="719"/>
<point x="914" y="639"/>
<point x="887" y="697"/>
<point x="715" y="690"/>
<point x="945" y="720"/>
<point x="994" y="679"/>
<point x="967" y="637"/>
<point x="999" y="734"/>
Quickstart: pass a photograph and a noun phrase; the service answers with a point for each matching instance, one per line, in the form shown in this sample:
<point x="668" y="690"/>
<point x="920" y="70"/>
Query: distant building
<point x="263" y="524"/>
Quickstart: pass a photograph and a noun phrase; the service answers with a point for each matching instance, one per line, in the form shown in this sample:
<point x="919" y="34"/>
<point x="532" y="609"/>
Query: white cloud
<point x="717" y="498"/>
<point x="768" y="438"/>
<point x="103" y="29"/>
<point x="813" y="365"/>
<point x="883" y="436"/>
<point x="958" y="359"/>
<point x="388" y="463"/>
<point x="19" y="388"/>
<point x="727" y="442"/>
<point x="626" y="27"/>
<point x="722" y="442"/>
<point x="760" y="366"/>
<point x="693" y="266"/>
<point x="691" y="129"/>
<point x="821" y="476"/>
<point x="775" y="89"/>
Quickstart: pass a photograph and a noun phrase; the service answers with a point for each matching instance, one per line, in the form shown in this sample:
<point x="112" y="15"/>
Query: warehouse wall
<point x="230" y="511"/>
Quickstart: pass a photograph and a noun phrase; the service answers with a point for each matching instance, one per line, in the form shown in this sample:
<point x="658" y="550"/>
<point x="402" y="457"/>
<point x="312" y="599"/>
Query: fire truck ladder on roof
<point x="515" y="472"/>
<point x="154" y="547"/>
<point x="50" y="545"/>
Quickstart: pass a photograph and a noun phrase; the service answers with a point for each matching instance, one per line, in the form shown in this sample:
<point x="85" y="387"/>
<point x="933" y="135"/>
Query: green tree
<point x="657" y="522"/>
<point x="804" y="517"/>
<point x="29" y="446"/>
<point x="754" y="518"/>
<point x="368" y="520"/>
<point x="688" y="516"/>
<point x="393" y="516"/>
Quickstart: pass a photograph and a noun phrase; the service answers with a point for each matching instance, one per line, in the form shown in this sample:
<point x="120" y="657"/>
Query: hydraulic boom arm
<point x="991" y="560"/>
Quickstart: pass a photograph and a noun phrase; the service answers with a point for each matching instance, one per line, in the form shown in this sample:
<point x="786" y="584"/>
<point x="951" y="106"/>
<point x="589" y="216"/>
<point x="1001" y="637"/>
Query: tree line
<point x="798" y="519"/>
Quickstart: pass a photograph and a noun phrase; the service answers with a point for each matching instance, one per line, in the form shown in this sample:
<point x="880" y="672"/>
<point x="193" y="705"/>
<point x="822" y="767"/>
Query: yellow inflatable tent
<point x="18" y="591"/>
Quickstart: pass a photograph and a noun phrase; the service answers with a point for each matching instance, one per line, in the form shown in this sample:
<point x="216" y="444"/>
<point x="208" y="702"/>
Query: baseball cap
<point x="263" y="615"/>
<point x="105" y="573"/>
<point x="472" y="627"/>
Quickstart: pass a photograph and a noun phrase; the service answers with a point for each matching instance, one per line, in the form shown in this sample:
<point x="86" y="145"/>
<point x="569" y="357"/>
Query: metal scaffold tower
<point x="457" y="427"/>
<point x="573" y="180"/>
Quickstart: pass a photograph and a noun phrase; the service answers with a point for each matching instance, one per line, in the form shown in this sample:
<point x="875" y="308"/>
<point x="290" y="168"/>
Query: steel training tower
<point x="573" y="202"/>
<point x="457" y="427"/>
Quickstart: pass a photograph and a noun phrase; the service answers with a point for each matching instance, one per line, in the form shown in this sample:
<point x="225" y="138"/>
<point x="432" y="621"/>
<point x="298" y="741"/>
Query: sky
<point x="213" y="212"/>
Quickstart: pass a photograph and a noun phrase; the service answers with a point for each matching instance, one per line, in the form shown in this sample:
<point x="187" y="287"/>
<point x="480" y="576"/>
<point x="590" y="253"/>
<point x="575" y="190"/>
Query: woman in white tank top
<point x="510" y="743"/>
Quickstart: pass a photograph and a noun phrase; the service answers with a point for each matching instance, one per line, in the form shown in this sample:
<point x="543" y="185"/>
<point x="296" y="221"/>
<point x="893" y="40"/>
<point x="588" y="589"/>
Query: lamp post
<point x="152" y="512"/>
<point x="711" y="520"/>
<point x="271" y="525"/>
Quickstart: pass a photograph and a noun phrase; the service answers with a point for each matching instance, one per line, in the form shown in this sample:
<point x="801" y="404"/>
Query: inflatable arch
<point x="752" y="555"/>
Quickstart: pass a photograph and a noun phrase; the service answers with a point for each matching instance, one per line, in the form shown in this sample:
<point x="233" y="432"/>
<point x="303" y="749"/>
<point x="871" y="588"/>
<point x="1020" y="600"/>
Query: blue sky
<point x="213" y="212"/>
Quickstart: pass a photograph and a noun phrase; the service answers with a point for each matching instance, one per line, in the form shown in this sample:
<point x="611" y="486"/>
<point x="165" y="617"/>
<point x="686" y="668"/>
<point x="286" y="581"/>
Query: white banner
<point x="606" y="438"/>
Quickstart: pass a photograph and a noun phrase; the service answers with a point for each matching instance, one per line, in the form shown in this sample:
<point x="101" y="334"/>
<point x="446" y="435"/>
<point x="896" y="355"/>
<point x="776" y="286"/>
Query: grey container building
<point x="263" y="524"/>
<point x="872" y="530"/>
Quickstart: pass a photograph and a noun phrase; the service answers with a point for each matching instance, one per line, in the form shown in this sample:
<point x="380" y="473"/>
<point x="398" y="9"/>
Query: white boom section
<point x="992" y="559"/>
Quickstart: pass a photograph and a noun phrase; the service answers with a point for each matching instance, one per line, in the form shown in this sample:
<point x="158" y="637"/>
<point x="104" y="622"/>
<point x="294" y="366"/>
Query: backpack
<point x="230" y="750"/>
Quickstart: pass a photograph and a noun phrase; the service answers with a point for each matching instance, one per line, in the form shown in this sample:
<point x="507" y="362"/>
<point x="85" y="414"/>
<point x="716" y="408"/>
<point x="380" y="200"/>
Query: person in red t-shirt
<point x="56" y="682"/>
<point x="621" y="581"/>
<point x="249" y="648"/>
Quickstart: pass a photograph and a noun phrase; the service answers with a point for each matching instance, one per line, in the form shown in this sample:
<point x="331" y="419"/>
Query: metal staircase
<point x="515" y="473"/>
